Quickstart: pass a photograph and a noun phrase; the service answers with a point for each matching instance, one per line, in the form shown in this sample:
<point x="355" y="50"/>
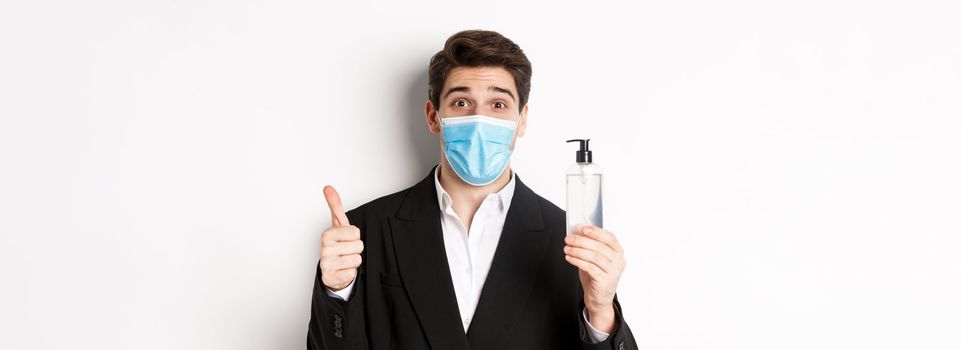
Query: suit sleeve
<point x="620" y="339"/>
<point x="335" y="323"/>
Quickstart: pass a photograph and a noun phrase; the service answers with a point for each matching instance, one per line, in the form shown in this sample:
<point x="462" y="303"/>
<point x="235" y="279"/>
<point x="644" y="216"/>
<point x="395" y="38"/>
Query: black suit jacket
<point x="403" y="296"/>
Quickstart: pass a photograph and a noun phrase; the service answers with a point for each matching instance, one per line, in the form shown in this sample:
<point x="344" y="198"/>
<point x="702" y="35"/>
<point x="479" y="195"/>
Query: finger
<point x="591" y="244"/>
<point x="347" y="275"/>
<point x="346" y="262"/>
<point x="592" y="270"/>
<point x="343" y="248"/>
<point x="340" y="234"/>
<point x="590" y="256"/>
<point x="342" y="262"/>
<point x="339" y="279"/>
<point x="336" y="208"/>
<point x="602" y="235"/>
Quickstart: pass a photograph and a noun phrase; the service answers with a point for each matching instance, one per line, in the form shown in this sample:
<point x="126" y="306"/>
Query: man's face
<point x="488" y="91"/>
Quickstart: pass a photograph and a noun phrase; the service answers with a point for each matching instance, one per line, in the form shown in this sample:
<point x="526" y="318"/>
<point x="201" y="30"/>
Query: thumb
<point x="336" y="209"/>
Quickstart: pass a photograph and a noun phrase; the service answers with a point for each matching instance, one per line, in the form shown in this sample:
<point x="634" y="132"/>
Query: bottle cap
<point x="584" y="154"/>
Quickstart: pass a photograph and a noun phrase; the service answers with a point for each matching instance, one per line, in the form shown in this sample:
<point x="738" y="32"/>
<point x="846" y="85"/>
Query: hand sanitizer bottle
<point x="583" y="190"/>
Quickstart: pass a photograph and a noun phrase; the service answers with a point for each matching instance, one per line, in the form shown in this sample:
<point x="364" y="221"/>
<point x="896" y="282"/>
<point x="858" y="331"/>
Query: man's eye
<point x="499" y="105"/>
<point x="460" y="103"/>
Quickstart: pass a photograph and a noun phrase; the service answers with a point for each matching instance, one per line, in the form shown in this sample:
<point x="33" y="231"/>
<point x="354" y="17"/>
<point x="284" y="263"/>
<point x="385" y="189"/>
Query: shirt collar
<point x="503" y="196"/>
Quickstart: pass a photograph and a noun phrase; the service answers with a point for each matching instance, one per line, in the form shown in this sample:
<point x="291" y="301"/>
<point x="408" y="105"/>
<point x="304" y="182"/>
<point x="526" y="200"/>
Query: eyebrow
<point x="492" y="87"/>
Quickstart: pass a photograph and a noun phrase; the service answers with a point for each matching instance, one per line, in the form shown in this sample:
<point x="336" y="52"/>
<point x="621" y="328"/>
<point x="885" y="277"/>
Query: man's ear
<point x="522" y="123"/>
<point x="433" y="120"/>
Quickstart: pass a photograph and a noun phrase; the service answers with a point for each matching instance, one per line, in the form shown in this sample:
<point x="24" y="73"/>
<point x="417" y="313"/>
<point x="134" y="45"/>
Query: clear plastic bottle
<point x="584" y="205"/>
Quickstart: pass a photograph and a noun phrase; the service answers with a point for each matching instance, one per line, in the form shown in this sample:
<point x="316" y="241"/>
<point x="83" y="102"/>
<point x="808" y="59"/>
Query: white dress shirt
<point x="470" y="253"/>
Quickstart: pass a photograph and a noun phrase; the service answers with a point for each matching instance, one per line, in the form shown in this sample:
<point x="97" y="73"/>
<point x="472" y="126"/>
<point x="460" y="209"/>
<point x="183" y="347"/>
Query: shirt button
<point x="467" y="270"/>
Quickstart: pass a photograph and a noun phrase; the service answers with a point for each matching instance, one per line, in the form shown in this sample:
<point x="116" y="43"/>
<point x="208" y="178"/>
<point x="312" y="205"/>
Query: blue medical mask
<point x="478" y="147"/>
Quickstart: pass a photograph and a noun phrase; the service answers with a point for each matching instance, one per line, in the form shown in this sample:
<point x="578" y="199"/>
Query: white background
<point x="783" y="175"/>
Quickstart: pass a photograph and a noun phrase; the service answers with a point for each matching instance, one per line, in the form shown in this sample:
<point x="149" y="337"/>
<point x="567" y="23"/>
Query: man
<point x="469" y="257"/>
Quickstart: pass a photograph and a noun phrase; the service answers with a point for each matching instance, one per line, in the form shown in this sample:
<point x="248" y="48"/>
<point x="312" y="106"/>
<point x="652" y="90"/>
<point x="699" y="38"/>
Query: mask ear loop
<point x="517" y="126"/>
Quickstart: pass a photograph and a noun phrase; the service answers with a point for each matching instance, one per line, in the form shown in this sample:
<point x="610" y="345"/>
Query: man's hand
<point x="340" y="246"/>
<point x="600" y="259"/>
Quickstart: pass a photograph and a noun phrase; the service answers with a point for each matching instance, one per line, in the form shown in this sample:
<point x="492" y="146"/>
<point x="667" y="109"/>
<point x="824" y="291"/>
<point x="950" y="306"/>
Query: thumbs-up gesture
<point x="340" y="246"/>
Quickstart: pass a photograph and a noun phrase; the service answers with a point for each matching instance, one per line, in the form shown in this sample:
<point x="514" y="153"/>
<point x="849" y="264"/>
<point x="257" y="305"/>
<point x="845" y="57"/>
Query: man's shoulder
<point x="550" y="210"/>
<point x="551" y="214"/>
<point x="548" y="205"/>
<point x="384" y="205"/>
<point x="390" y="204"/>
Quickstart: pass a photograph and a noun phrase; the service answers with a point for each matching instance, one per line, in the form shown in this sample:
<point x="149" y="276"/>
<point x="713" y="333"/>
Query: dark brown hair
<point x="479" y="48"/>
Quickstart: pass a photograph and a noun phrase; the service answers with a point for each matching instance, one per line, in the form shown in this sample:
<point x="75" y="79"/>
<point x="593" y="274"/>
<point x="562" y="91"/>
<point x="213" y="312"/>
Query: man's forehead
<point x="491" y="88"/>
<point x="480" y="76"/>
<point x="477" y="79"/>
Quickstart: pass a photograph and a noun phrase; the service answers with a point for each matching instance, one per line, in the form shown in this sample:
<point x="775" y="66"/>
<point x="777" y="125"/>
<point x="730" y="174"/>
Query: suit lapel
<point x="422" y="262"/>
<point x="517" y="259"/>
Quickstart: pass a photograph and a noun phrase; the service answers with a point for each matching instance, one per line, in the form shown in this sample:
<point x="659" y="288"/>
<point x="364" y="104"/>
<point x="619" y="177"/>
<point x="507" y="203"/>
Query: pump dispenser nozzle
<point x="584" y="154"/>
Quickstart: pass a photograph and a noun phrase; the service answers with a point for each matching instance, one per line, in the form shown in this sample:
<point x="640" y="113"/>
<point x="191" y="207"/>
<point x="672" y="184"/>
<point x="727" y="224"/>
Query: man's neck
<point x="466" y="198"/>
